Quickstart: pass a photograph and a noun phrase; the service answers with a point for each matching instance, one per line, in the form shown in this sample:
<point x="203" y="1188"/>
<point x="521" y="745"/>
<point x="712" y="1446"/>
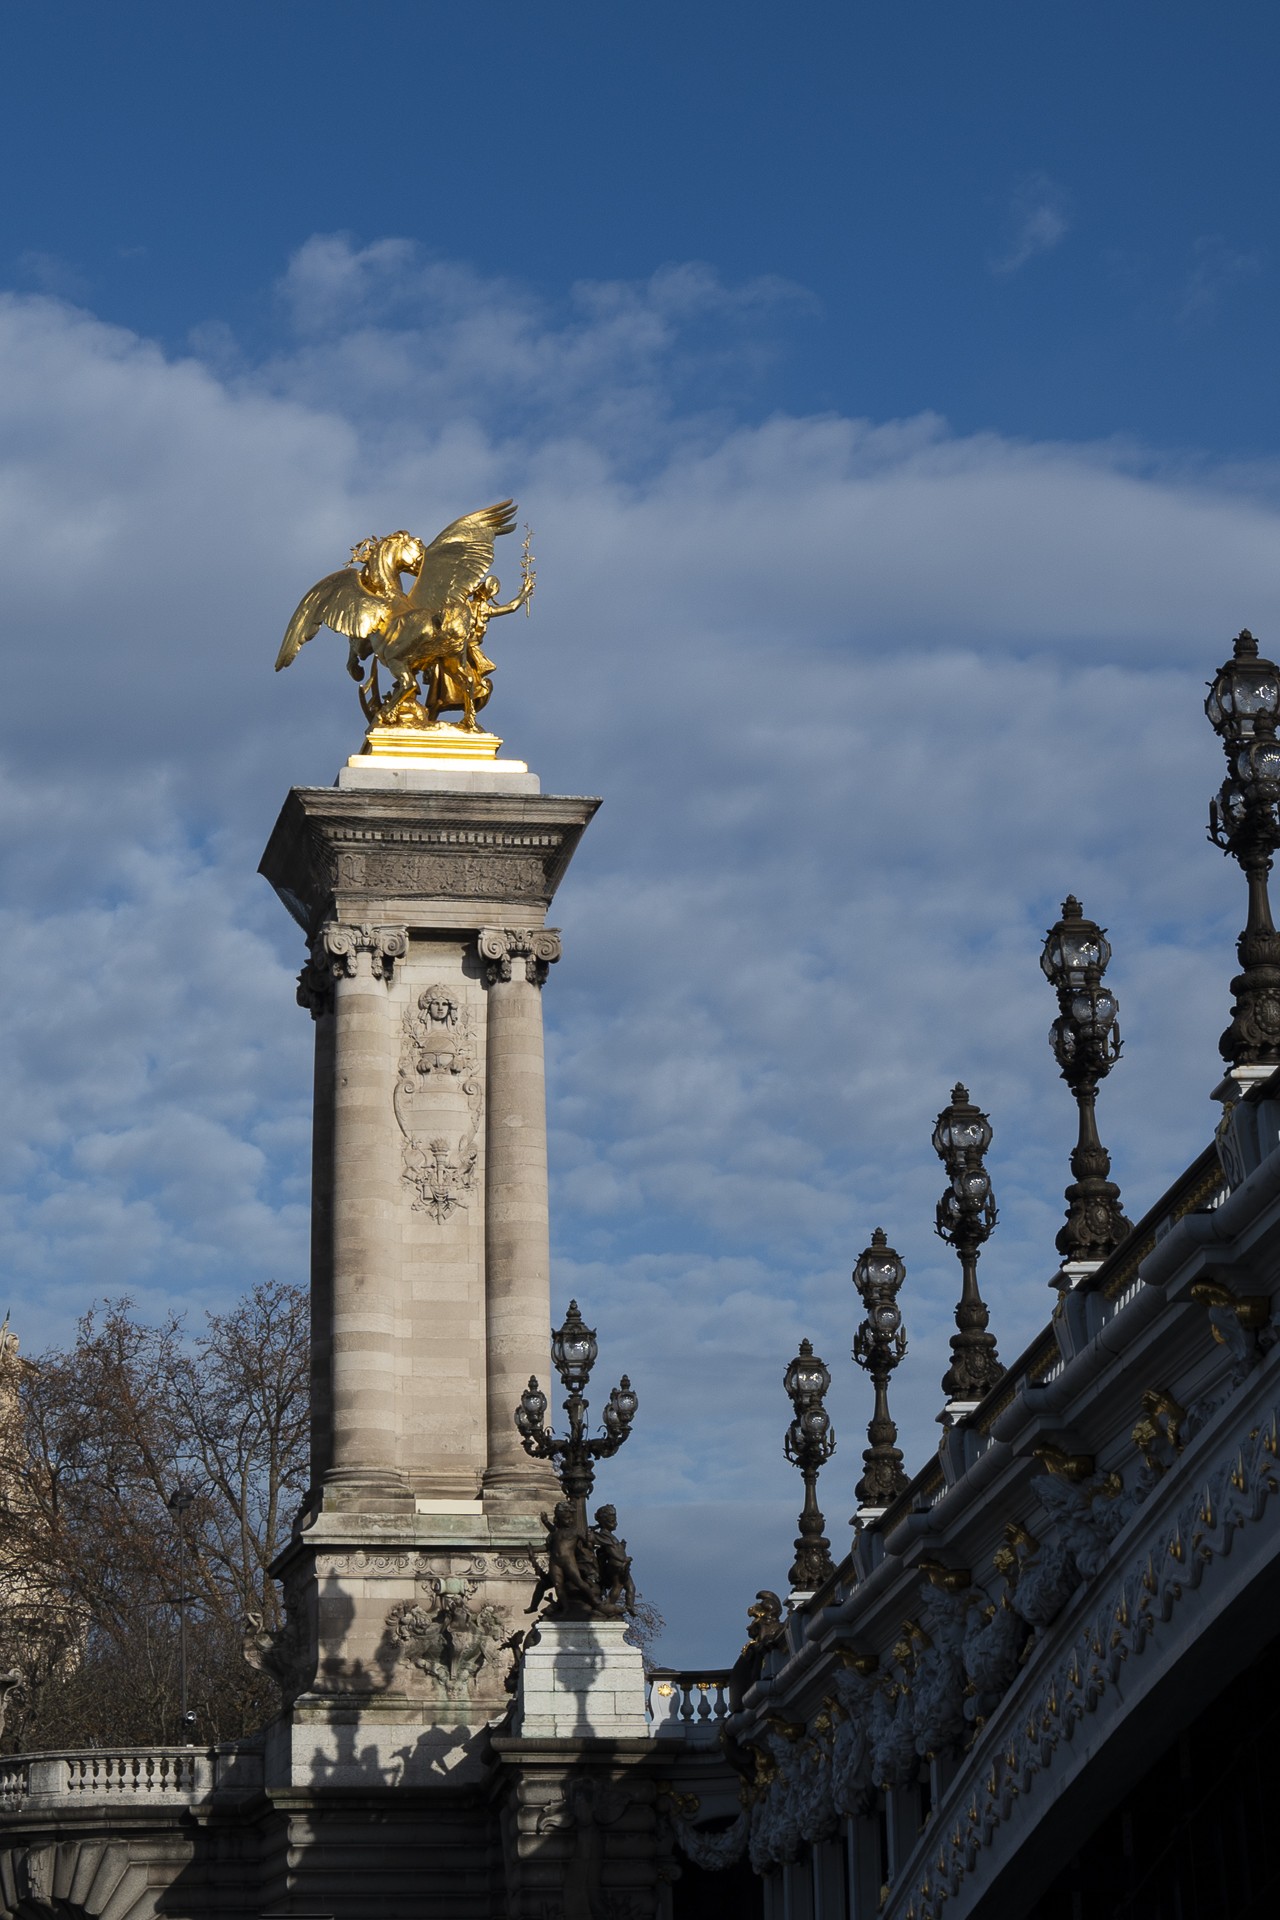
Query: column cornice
<point x="335" y="954"/>
<point x="500" y="947"/>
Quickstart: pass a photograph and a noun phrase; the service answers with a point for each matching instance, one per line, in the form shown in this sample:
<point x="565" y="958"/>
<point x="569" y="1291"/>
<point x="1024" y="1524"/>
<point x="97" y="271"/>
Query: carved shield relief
<point x="439" y="1099"/>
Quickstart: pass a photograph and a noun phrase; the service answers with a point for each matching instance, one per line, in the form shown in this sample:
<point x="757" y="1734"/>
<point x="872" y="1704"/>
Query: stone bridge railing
<point x="169" y="1776"/>
<point x="688" y="1706"/>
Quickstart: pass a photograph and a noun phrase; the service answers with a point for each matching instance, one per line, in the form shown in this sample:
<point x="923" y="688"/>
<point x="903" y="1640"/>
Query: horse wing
<point x="339" y="601"/>
<point x="459" y="558"/>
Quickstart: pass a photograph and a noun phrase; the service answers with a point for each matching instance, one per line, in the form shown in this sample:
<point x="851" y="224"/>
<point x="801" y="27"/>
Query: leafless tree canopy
<point x="93" y="1442"/>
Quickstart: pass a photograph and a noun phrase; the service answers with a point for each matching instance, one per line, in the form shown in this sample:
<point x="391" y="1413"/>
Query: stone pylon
<point x="422" y="893"/>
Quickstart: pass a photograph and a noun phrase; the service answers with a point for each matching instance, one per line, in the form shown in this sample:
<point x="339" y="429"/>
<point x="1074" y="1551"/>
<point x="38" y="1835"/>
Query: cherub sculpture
<point x="436" y="629"/>
<point x="613" y="1562"/>
<point x="572" y="1568"/>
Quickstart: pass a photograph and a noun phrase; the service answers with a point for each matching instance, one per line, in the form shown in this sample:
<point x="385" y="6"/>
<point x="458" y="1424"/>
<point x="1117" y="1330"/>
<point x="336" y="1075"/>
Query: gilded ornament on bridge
<point x="431" y="639"/>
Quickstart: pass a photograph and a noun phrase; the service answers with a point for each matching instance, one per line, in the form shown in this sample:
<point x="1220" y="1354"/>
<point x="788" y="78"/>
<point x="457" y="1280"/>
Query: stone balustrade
<point x="172" y="1776"/>
<point x="688" y="1706"/>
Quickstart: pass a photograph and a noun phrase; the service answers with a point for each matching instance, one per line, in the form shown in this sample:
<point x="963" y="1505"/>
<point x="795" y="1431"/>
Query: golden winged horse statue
<point x="437" y="629"/>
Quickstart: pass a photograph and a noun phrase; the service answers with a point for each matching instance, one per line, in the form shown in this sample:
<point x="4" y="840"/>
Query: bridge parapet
<point x="690" y="1706"/>
<point x="1073" y="1576"/>
<point x="141" y="1776"/>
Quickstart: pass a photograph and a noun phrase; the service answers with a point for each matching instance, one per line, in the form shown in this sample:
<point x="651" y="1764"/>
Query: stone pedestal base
<point x="581" y="1681"/>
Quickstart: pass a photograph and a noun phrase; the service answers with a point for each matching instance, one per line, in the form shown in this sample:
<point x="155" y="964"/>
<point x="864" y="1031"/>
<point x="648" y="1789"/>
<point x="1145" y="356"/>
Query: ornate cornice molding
<point x="334" y="854"/>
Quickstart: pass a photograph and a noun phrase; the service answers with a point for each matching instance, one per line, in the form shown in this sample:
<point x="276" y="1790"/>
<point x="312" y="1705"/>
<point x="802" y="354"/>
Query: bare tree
<point x="93" y="1442"/>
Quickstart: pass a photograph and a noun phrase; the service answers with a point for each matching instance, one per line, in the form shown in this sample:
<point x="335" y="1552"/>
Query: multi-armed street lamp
<point x="966" y="1214"/>
<point x="1244" y="820"/>
<point x="878" y="1346"/>
<point x="810" y="1441"/>
<point x="573" y="1350"/>
<point x="1086" y="1044"/>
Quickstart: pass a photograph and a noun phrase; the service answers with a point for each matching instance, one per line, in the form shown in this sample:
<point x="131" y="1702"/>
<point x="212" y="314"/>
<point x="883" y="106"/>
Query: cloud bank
<point x="865" y="699"/>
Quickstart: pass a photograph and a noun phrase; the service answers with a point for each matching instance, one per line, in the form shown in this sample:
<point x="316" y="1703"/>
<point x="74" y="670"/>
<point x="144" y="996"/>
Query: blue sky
<point x="892" y="395"/>
<point x="1046" y="220"/>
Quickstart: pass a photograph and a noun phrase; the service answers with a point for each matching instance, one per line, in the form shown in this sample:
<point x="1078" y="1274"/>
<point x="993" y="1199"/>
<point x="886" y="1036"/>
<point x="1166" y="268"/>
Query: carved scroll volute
<point x="501" y="947"/>
<point x="335" y="955"/>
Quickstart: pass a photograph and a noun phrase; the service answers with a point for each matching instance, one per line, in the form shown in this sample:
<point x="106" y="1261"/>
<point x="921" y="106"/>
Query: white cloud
<point x="865" y="700"/>
<point x="1217" y="267"/>
<point x="1038" y="220"/>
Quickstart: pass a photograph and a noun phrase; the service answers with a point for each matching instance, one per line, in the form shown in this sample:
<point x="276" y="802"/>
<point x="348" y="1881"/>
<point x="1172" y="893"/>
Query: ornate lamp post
<point x="809" y="1442"/>
<point x="966" y="1214"/>
<point x="1086" y="1045"/>
<point x="1244" y="820"/>
<point x="588" y="1568"/>
<point x="573" y="1350"/>
<point x="179" y="1503"/>
<point x="878" y="1346"/>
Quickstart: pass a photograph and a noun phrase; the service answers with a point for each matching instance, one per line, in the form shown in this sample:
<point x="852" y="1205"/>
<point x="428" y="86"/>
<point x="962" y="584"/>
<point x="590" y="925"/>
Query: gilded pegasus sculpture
<point x="436" y="629"/>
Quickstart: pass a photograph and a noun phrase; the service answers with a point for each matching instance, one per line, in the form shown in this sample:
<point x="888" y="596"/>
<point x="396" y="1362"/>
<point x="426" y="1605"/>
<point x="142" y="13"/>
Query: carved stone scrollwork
<point x="335" y="955"/>
<point x="499" y="947"/>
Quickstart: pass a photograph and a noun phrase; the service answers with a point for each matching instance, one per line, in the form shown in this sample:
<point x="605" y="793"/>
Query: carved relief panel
<point x="439" y="1100"/>
<point x="444" y="1628"/>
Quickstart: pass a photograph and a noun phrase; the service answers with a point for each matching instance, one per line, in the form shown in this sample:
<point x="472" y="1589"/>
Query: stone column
<point x="517" y="1251"/>
<point x="352" y="967"/>
<point x="315" y="992"/>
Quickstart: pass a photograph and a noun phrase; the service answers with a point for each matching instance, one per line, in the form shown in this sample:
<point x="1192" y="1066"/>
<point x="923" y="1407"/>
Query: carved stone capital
<point x="335" y="955"/>
<point x="499" y="947"/>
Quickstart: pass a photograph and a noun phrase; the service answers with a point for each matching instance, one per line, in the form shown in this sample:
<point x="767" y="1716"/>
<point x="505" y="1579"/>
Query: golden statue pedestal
<point x="442" y="745"/>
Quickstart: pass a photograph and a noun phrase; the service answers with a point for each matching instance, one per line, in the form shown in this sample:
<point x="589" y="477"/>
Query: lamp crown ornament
<point x="1086" y="1045"/>
<point x="588" y="1571"/>
<point x="966" y="1215"/>
<point x="1243" y="704"/>
<point x="878" y="1345"/>
<point x="810" y="1441"/>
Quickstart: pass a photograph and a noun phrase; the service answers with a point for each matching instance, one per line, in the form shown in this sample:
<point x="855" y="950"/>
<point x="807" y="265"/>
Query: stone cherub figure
<point x="572" y="1575"/>
<point x="613" y="1562"/>
<point x="588" y="1572"/>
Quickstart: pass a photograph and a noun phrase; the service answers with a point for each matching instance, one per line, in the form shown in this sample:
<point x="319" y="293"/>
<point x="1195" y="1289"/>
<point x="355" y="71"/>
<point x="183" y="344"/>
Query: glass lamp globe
<point x="625" y="1399"/>
<point x="962" y="1128"/>
<point x="816" y="1422"/>
<point x="879" y="1270"/>
<point x="574" y="1349"/>
<point x="806" y="1378"/>
<point x="1242" y="691"/>
<point x="1074" y="948"/>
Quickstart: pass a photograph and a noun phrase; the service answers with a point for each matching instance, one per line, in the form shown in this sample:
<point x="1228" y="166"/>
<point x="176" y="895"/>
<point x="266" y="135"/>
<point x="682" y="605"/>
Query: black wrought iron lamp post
<point x="1086" y="1045"/>
<point x="573" y="1351"/>
<point x="965" y="1217"/>
<point x="1244" y="820"/>
<point x="878" y="1346"/>
<point x="179" y="1503"/>
<point x="809" y="1442"/>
